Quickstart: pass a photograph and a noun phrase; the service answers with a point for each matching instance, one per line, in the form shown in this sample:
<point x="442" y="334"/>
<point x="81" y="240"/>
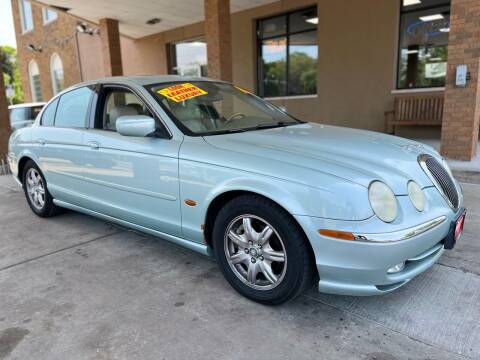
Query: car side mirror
<point x="135" y="125"/>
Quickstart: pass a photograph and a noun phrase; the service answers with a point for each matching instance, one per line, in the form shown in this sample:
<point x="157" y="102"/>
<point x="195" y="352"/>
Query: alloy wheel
<point x="255" y="252"/>
<point x="35" y="188"/>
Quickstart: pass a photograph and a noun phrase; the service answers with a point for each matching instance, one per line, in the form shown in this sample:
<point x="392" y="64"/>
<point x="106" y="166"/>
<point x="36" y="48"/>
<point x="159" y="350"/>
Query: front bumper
<point x="360" y="268"/>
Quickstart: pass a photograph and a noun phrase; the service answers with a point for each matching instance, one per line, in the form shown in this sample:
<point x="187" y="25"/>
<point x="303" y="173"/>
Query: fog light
<point x="397" y="268"/>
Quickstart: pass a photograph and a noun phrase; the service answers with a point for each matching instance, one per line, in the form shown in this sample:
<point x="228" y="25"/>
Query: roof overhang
<point x="133" y="15"/>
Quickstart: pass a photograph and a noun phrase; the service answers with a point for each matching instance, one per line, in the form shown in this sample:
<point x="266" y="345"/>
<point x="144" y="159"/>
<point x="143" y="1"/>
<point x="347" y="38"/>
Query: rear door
<point x="59" y="140"/>
<point x="131" y="178"/>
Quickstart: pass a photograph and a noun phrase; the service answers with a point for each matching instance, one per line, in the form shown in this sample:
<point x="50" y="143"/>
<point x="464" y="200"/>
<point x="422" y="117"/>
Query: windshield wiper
<point x="257" y="127"/>
<point x="227" y="131"/>
<point x="277" y="124"/>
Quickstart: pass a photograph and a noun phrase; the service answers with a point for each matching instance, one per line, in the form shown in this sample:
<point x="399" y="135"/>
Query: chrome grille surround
<point x="441" y="179"/>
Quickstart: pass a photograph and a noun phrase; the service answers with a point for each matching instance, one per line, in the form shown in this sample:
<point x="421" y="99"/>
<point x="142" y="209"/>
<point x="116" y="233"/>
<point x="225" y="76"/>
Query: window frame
<point x="402" y="12"/>
<point x="89" y="107"/>
<point x="99" y="101"/>
<point x="45" y="19"/>
<point x="171" y="52"/>
<point x="21" y="9"/>
<point x="287" y="61"/>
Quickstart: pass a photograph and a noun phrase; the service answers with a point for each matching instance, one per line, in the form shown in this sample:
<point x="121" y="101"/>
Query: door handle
<point x="41" y="141"/>
<point x="93" y="145"/>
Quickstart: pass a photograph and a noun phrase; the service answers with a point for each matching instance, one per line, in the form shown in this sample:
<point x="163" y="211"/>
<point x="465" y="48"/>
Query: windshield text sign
<point x="181" y="92"/>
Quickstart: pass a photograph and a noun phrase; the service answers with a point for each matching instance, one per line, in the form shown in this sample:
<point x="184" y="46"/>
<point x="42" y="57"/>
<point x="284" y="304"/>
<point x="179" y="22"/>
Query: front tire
<point x="35" y="187"/>
<point x="261" y="250"/>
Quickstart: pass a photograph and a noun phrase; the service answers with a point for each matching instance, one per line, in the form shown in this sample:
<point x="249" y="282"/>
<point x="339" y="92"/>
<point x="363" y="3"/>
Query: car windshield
<point x="209" y="108"/>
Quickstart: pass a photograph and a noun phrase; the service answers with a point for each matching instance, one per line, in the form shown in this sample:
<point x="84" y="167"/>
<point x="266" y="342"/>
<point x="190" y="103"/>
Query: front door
<point x="134" y="179"/>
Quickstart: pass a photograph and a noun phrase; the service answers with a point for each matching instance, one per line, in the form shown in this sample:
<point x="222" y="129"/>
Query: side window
<point x="18" y="114"/>
<point x="48" y="116"/>
<point x="73" y="108"/>
<point x="34" y="111"/>
<point x="120" y="102"/>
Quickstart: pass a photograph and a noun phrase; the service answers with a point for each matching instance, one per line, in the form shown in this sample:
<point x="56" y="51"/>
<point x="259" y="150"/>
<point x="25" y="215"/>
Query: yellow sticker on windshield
<point x="181" y="92"/>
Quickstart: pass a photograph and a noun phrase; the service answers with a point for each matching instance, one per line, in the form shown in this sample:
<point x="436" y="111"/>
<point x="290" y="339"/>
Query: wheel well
<point x="21" y="166"/>
<point x="213" y="210"/>
<point x="222" y="199"/>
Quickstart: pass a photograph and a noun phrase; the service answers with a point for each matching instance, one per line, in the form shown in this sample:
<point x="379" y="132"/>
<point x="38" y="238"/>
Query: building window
<point x="35" y="86"/>
<point x="26" y="16"/>
<point x="48" y="15"/>
<point x="424" y="30"/>
<point x="287" y="54"/>
<point x="56" y="71"/>
<point x="188" y="58"/>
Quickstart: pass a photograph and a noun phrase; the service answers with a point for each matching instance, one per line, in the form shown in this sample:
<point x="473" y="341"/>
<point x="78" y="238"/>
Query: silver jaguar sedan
<point x="280" y="203"/>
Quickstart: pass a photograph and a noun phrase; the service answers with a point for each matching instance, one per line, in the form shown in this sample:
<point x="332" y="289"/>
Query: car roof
<point x="143" y="80"/>
<point x="26" y="105"/>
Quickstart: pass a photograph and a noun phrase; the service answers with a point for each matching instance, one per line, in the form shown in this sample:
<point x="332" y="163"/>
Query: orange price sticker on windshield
<point x="181" y="92"/>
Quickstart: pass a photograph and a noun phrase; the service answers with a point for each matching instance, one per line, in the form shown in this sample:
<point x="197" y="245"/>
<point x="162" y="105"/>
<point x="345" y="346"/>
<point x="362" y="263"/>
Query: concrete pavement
<point x="73" y="287"/>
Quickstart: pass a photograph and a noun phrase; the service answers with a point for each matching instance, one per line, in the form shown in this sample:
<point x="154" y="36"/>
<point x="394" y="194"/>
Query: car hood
<point x="355" y="155"/>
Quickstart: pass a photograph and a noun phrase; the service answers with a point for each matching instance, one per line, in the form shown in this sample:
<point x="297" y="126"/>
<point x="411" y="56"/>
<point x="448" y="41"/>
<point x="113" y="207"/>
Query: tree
<point x="302" y="74"/>
<point x="11" y="72"/>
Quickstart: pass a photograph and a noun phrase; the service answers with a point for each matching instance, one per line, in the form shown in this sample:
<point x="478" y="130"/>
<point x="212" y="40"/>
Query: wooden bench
<point x="415" y="111"/>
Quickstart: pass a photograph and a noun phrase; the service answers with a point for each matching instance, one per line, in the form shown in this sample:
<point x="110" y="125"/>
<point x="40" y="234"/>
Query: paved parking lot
<point x="74" y="287"/>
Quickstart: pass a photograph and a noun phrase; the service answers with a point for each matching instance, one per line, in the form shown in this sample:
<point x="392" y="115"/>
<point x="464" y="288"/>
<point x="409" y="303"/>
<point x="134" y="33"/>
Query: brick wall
<point x="55" y="37"/>
<point x="110" y="39"/>
<point x="462" y="105"/>
<point x="218" y="36"/>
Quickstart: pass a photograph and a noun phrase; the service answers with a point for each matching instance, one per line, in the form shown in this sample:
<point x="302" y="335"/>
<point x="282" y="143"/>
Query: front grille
<point x="441" y="178"/>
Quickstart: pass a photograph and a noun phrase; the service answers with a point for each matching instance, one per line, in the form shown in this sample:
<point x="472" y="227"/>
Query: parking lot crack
<point x="461" y="268"/>
<point x="59" y="250"/>
<point x="386" y="327"/>
<point x="9" y="190"/>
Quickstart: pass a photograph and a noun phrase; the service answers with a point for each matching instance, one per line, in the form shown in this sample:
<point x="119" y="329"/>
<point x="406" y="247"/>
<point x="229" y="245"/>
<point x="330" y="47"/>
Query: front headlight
<point x="416" y="195"/>
<point x="383" y="201"/>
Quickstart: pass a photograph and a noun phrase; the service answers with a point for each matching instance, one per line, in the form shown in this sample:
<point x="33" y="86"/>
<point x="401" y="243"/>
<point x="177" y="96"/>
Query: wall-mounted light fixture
<point x="34" y="48"/>
<point x="83" y="28"/>
<point x="153" y="21"/>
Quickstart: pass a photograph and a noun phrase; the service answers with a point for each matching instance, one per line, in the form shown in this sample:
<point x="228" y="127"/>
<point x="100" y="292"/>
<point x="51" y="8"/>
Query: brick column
<point x="462" y="105"/>
<point x="112" y="56"/>
<point x="4" y="120"/>
<point x="219" y="40"/>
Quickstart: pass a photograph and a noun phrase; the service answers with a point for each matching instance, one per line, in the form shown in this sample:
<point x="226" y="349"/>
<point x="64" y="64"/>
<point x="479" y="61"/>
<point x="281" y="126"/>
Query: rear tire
<point x="36" y="192"/>
<point x="261" y="250"/>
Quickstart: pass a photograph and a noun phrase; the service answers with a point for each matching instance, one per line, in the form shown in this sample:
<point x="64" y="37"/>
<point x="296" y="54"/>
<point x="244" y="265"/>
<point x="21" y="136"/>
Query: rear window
<point x="24" y="113"/>
<point x="48" y="116"/>
<point x="73" y="108"/>
<point x="18" y="114"/>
